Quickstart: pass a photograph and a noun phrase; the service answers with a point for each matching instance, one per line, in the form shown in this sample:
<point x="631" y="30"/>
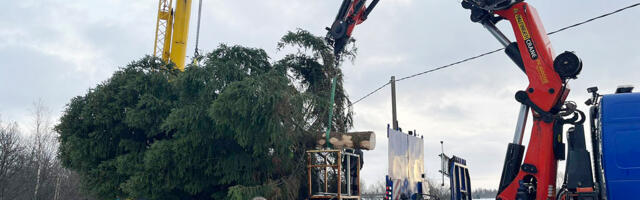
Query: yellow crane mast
<point x="172" y="30"/>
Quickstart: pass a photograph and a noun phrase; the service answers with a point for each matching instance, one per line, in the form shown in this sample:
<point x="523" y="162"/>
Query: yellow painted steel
<point x="164" y="24"/>
<point x="166" y="44"/>
<point x="172" y="30"/>
<point x="180" y="33"/>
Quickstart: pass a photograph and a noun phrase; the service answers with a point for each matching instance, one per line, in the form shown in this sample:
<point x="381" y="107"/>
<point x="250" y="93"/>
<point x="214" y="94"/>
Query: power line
<point x="370" y="93"/>
<point x="491" y="52"/>
<point x="592" y="19"/>
<point x="449" y="65"/>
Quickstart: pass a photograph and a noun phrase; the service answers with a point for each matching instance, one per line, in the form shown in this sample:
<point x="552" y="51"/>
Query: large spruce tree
<point x="234" y="127"/>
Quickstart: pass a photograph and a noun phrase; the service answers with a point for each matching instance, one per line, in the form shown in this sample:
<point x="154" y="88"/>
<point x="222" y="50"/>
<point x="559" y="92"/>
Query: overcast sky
<point x="57" y="49"/>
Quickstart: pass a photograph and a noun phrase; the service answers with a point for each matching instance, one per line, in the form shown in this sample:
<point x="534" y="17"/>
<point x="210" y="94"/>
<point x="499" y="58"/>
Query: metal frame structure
<point x="325" y="165"/>
<point x="460" y="181"/>
<point x="164" y="25"/>
<point x="172" y="30"/>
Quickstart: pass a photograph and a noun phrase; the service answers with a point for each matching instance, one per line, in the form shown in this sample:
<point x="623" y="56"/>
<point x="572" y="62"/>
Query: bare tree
<point x="438" y="191"/>
<point x="65" y="184"/>
<point x="374" y="188"/>
<point x="44" y="146"/>
<point x="10" y="156"/>
<point x="29" y="168"/>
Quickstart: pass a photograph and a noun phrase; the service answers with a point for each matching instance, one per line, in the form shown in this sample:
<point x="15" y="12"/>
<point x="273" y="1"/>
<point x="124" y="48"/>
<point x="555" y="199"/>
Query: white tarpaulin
<point x="406" y="163"/>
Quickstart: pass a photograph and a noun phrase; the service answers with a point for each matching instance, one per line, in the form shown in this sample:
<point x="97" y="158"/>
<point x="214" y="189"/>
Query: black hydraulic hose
<point x="343" y="9"/>
<point x="370" y="8"/>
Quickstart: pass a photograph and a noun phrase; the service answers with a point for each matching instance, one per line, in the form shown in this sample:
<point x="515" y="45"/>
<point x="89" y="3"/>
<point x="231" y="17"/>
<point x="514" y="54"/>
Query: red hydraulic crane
<point x="350" y="14"/>
<point x="535" y="178"/>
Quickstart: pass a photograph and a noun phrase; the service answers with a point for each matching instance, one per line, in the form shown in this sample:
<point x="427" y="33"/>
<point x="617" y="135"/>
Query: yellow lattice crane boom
<point x="172" y="30"/>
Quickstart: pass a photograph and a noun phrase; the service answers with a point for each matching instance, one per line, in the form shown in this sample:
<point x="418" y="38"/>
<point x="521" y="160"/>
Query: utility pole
<point x="443" y="158"/>
<point x="393" y="103"/>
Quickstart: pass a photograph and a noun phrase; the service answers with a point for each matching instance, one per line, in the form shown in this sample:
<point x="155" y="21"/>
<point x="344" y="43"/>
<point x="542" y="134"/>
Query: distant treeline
<point x="437" y="191"/>
<point x="29" y="166"/>
<point x="484" y="193"/>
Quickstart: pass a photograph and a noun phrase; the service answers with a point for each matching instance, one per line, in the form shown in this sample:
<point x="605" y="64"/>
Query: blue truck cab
<point x="615" y="124"/>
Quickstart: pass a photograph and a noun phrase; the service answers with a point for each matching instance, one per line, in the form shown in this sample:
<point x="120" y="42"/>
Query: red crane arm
<point x="350" y="14"/>
<point x="545" y="84"/>
<point x="546" y="90"/>
<point x="535" y="178"/>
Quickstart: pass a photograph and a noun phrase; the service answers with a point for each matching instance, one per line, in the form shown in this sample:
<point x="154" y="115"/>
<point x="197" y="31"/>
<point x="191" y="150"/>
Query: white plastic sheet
<point x="406" y="162"/>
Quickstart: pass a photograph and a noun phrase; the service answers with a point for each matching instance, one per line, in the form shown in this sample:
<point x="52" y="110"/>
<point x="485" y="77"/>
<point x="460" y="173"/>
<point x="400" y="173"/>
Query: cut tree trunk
<point x="357" y="140"/>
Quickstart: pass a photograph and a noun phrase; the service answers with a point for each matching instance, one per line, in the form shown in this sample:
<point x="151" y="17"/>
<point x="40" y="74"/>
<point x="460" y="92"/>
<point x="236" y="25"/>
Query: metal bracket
<point x="529" y="168"/>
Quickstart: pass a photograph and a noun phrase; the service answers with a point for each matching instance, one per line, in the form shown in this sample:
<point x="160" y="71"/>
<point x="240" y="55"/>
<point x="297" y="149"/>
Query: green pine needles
<point x="234" y="127"/>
